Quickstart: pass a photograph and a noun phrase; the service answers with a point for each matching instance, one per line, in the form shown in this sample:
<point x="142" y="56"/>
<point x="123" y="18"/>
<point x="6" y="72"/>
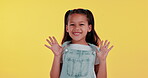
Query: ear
<point x="89" y="28"/>
<point x="67" y="28"/>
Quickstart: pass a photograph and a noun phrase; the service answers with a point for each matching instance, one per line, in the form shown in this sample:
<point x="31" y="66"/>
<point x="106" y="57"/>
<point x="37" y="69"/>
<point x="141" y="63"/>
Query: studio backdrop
<point x="26" y="24"/>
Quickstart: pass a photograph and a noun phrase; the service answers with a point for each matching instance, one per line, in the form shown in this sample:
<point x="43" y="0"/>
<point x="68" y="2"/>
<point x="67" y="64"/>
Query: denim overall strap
<point x="93" y="47"/>
<point x="65" y="43"/>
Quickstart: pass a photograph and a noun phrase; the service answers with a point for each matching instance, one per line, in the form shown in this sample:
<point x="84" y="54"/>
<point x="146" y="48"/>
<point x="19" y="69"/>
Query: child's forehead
<point x="77" y="18"/>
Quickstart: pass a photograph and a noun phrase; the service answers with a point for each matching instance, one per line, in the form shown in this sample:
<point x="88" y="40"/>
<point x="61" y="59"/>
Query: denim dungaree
<point x="78" y="63"/>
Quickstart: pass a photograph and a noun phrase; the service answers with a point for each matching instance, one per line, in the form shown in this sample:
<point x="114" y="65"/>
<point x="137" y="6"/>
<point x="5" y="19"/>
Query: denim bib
<point x="78" y="63"/>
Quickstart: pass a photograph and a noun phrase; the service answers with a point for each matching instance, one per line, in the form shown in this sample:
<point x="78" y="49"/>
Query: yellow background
<point x="26" y="24"/>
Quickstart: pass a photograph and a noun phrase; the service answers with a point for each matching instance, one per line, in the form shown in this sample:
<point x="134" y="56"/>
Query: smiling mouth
<point x="77" y="33"/>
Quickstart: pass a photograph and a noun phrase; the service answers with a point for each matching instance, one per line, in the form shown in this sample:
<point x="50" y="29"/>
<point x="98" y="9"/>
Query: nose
<point x="77" y="27"/>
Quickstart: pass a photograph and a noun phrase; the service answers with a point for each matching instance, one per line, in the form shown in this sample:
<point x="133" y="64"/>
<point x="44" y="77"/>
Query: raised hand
<point x="102" y="54"/>
<point x="55" y="47"/>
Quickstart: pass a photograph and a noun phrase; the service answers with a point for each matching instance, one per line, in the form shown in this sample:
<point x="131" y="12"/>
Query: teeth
<point x="76" y="33"/>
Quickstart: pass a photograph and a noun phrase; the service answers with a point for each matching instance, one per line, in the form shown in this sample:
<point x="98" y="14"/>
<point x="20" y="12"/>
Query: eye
<point x="71" y="24"/>
<point x="81" y="24"/>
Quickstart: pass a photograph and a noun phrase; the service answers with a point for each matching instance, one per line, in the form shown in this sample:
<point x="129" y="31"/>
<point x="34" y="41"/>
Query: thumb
<point x="97" y="50"/>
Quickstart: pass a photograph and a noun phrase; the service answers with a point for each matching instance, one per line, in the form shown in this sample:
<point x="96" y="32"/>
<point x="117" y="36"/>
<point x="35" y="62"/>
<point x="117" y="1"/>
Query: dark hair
<point x="91" y="36"/>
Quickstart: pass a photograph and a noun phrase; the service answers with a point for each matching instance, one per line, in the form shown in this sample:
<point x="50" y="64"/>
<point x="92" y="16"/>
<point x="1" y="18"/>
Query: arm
<point x="101" y="70"/>
<point x="102" y="55"/>
<point x="57" y="50"/>
<point x="96" y="69"/>
<point x="56" y="67"/>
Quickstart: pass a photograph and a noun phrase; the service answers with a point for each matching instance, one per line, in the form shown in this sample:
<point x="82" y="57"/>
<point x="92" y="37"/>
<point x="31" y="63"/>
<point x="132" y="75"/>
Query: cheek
<point x="85" y="29"/>
<point x="70" y="29"/>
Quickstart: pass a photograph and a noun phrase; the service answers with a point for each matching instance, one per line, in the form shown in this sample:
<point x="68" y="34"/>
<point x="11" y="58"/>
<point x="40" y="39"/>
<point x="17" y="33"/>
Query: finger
<point x="55" y="39"/>
<point x="51" y="40"/>
<point x="101" y="43"/>
<point x="111" y="47"/>
<point x="48" y="41"/>
<point x="107" y="44"/>
<point x="47" y="46"/>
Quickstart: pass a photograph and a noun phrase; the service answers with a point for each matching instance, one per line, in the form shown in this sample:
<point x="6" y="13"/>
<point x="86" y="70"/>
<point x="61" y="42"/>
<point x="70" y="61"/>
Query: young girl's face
<point x="78" y="27"/>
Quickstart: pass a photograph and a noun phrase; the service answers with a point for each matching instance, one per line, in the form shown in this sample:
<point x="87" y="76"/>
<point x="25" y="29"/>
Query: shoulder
<point x="95" y="46"/>
<point x="98" y="48"/>
<point x="65" y="43"/>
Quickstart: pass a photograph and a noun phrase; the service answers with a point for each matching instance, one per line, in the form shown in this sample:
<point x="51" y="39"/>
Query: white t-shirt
<point x="82" y="47"/>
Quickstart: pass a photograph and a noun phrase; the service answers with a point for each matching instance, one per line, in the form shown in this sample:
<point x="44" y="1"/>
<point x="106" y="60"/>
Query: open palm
<point x="102" y="54"/>
<point x="55" y="47"/>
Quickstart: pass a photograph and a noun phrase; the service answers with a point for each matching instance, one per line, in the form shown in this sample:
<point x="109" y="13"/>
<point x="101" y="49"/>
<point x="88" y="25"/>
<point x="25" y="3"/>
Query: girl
<point x="82" y="54"/>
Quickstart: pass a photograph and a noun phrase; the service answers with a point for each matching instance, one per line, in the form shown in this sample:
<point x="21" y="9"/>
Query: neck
<point x="79" y="42"/>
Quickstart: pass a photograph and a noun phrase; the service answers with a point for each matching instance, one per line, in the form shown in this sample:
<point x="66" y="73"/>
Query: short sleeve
<point x="64" y="45"/>
<point x="97" y="59"/>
